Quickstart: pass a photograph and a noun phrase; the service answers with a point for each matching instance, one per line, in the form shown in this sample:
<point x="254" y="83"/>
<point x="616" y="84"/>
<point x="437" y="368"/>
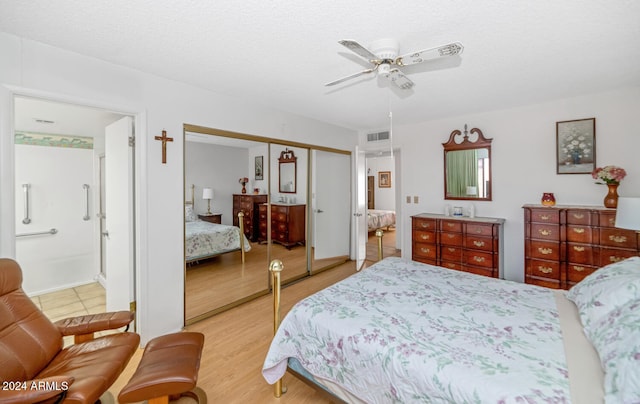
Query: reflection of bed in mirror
<point x="377" y="219"/>
<point x="206" y="240"/>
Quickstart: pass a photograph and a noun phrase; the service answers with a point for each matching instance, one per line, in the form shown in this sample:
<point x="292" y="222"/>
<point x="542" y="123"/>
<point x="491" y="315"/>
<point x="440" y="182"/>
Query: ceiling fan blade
<point x="358" y="49"/>
<point x="399" y="79"/>
<point x="353" y="76"/>
<point x="452" y="49"/>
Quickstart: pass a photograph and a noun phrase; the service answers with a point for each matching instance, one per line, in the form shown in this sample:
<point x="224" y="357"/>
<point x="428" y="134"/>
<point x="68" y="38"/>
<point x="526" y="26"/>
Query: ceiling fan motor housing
<point x="385" y="48"/>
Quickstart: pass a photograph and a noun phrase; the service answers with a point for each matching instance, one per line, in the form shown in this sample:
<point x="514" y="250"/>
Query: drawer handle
<point x="425" y="237"/>
<point x="612" y="221"/>
<point x="578" y="248"/>
<point x="618" y="239"/>
<point x="478" y="259"/>
<point x="545" y="217"/>
<point x="578" y="215"/>
<point x="545" y="232"/>
<point x="425" y="225"/>
<point x="545" y="251"/>
<point x="451" y="249"/>
<point x="578" y="230"/>
<point x="578" y="268"/>
<point x="450" y="224"/>
<point x="425" y="250"/>
<point x="479" y="231"/>
<point x="478" y="243"/>
<point x="613" y="258"/>
<point x="545" y="270"/>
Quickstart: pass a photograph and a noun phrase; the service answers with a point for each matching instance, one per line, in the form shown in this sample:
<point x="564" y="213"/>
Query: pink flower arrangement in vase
<point x="610" y="175"/>
<point x="243" y="181"/>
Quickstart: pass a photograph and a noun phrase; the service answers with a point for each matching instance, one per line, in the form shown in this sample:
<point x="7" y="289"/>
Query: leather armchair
<point x="34" y="365"/>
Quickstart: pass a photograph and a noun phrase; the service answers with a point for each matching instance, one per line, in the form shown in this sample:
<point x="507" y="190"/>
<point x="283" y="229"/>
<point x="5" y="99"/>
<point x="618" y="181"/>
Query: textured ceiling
<point x="281" y="53"/>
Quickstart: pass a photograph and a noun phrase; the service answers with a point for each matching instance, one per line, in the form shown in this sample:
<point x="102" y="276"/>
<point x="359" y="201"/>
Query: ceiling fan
<point x="386" y="62"/>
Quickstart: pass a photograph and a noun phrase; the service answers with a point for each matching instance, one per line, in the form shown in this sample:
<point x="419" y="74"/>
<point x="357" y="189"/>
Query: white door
<point x="332" y="204"/>
<point x="360" y="214"/>
<point x="118" y="210"/>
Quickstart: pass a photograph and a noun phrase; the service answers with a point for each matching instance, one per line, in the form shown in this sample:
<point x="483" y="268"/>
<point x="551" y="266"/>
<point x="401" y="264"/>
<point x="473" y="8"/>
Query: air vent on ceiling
<point x="375" y="137"/>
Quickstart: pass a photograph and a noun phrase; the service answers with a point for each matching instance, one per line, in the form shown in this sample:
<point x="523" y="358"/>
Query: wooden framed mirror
<point x="467" y="166"/>
<point x="287" y="172"/>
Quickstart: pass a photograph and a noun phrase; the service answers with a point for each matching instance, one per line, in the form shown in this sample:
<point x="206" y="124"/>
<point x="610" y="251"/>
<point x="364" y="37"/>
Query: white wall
<point x="57" y="200"/>
<point x="523" y="161"/>
<point x="32" y="68"/>
<point x="385" y="198"/>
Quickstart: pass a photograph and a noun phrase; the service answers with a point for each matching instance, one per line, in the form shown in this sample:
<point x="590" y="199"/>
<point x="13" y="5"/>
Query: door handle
<point x="357" y="214"/>
<point x="319" y="210"/>
<point x="105" y="234"/>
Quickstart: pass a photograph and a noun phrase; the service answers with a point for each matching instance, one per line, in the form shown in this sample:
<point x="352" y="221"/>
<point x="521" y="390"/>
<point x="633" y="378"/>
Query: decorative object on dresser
<point x="548" y="199"/>
<point x="462" y="243"/>
<point x="207" y="194"/>
<point x="211" y="218"/>
<point x="243" y="181"/>
<point x="565" y="243"/>
<point x="611" y="176"/>
<point x="467" y="166"/>
<point x="576" y="146"/>
<point x="248" y="204"/>
<point x="287" y="224"/>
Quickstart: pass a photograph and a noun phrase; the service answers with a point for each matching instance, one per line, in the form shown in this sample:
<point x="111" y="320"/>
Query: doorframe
<point x="7" y="172"/>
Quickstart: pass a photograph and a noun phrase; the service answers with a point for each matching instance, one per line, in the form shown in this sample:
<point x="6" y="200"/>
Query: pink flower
<point x="608" y="175"/>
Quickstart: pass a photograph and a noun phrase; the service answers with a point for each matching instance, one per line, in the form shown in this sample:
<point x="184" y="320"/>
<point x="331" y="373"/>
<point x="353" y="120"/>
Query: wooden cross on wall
<point x="164" y="140"/>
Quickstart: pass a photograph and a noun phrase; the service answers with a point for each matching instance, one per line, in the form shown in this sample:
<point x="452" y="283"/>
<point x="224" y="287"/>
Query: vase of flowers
<point x="610" y="176"/>
<point x="243" y="181"/>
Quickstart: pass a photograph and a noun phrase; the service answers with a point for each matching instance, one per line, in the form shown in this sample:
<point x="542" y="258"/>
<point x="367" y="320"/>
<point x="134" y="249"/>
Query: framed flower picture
<point x="576" y="146"/>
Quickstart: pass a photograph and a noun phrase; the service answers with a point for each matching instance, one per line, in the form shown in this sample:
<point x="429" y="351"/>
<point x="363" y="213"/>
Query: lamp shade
<point x="207" y="193"/>
<point x="628" y="213"/>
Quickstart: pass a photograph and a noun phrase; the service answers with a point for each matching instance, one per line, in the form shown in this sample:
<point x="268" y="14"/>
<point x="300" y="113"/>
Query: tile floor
<point x="81" y="300"/>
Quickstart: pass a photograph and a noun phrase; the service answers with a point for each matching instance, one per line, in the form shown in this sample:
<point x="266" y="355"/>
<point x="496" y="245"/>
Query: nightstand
<point x="212" y="218"/>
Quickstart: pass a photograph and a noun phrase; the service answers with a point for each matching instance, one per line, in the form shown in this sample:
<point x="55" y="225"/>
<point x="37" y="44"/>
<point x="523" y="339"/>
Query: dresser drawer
<point x="545" y="250"/>
<point x="453" y="265"/>
<point x="608" y="218"/>
<point x="543" y="269"/>
<point x="579" y="216"/>
<point x="576" y="273"/>
<point x="278" y="217"/>
<point x="476" y="229"/>
<point x="545" y="215"/>
<point x="481" y="243"/>
<point x="451" y="238"/>
<point x="613" y="237"/>
<point x="451" y="253"/>
<point x="479" y="258"/>
<point x="424" y="236"/>
<point x="582" y="254"/>
<point x="451" y="226"/>
<point x="611" y="255"/>
<point x="543" y="231"/>
<point x="424" y="224"/>
<point x="581" y="234"/>
<point x="424" y="250"/>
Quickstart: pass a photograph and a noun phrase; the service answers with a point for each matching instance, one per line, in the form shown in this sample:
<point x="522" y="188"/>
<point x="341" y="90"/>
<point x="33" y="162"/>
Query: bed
<point x="402" y="331"/>
<point x="377" y="219"/>
<point x="206" y="240"/>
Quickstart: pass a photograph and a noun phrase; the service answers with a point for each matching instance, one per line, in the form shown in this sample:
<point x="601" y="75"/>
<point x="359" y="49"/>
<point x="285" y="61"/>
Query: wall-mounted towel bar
<point x="25" y="188"/>
<point x="86" y="194"/>
<point x="38" y="233"/>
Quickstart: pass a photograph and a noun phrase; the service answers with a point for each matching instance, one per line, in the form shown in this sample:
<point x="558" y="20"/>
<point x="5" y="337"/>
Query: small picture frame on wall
<point x="259" y="168"/>
<point x="576" y="146"/>
<point x="384" y="179"/>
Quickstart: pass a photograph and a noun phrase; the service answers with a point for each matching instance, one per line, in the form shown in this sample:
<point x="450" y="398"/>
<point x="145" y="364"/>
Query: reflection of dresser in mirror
<point x="248" y="204"/>
<point x="287" y="224"/>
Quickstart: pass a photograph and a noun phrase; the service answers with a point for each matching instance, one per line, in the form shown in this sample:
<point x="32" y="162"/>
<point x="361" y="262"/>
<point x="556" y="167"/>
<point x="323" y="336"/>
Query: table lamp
<point x="207" y="193"/>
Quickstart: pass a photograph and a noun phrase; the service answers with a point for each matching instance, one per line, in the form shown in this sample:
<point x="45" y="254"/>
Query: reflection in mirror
<point x="287" y="172"/>
<point x="215" y="276"/>
<point x="467" y="166"/>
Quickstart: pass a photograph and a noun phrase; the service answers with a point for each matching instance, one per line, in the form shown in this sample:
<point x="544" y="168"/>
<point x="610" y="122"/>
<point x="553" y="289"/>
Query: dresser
<point x="248" y="204"/>
<point x="565" y="243"/>
<point x="287" y="224"/>
<point x="461" y="243"/>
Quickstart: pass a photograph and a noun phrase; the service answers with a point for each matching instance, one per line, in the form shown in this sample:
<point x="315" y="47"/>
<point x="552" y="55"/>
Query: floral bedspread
<point x="405" y="332"/>
<point x="377" y="219"/>
<point x="204" y="239"/>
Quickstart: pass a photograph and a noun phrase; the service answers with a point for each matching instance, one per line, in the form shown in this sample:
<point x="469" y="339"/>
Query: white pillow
<point x="189" y="214"/>
<point x="616" y="337"/>
<point x="608" y="288"/>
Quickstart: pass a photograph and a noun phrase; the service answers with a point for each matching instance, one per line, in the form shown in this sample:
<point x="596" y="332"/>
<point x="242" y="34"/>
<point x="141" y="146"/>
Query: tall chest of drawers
<point x="564" y="244"/>
<point x="248" y="204"/>
<point x="461" y="243"/>
<point x="287" y="224"/>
